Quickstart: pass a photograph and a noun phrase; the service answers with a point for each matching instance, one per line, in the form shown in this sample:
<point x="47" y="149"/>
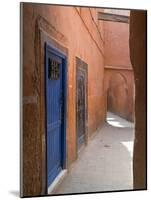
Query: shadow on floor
<point x="15" y="193"/>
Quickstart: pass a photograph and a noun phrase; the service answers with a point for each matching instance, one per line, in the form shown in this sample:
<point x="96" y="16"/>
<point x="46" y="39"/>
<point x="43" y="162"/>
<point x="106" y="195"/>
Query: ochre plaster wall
<point x="117" y="44"/>
<point x="74" y="29"/>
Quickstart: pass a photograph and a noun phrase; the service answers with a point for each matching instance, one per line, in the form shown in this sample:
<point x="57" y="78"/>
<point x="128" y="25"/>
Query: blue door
<point x="54" y="113"/>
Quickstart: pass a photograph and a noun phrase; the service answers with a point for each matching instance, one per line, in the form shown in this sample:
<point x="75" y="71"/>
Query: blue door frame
<point x="54" y="89"/>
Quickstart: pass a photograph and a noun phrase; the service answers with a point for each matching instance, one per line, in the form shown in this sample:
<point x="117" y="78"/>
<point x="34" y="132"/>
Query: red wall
<point x="117" y="44"/>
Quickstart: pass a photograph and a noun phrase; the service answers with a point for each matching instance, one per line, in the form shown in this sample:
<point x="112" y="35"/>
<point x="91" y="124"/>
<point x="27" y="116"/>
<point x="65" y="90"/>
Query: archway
<point x="117" y="95"/>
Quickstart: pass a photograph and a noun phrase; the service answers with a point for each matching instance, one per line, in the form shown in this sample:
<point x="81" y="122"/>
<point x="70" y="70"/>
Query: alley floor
<point x="105" y="164"/>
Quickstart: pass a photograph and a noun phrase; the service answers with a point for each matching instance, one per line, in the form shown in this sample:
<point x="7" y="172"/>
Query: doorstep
<point x="57" y="181"/>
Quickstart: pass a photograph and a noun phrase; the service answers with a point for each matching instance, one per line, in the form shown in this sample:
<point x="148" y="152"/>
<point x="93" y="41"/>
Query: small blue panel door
<point x="54" y="114"/>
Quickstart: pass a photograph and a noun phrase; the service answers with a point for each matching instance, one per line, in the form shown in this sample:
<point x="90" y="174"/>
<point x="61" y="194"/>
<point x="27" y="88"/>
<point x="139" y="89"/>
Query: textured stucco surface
<point x="117" y="44"/>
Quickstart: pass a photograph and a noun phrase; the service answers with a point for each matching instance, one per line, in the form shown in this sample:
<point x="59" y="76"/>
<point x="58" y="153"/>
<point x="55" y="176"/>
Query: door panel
<point x="81" y="109"/>
<point x="81" y="102"/>
<point x="54" y="113"/>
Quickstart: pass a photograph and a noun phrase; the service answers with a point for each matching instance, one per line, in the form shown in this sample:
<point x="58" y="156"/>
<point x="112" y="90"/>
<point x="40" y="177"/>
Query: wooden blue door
<point x="54" y="114"/>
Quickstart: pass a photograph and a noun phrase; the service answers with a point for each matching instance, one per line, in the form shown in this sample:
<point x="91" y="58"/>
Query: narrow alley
<point x="110" y="168"/>
<point x="77" y="72"/>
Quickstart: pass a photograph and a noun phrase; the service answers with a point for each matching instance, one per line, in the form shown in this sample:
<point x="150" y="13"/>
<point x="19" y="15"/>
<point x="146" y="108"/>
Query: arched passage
<point x="120" y="95"/>
<point x="117" y="95"/>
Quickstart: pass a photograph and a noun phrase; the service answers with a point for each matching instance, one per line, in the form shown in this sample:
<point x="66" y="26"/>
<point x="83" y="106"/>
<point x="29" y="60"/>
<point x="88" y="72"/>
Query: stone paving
<point x="105" y="164"/>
